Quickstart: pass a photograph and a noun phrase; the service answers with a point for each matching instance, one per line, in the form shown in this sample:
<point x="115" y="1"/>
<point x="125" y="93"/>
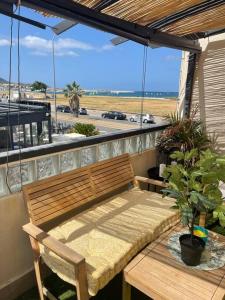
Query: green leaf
<point x="171" y="193"/>
<point x="220" y="161"/>
<point x="182" y="170"/>
<point x="194" y="198"/>
<point x="186" y="215"/>
<point x="206" y="202"/>
<point x="220" y="208"/>
<point x="197" y="186"/>
<point x="198" y="173"/>
<point x="214" y="194"/>
<point x="221" y="217"/>
<point x="184" y="220"/>
<point x="175" y="207"/>
<point x="192" y="154"/>
<point x="166" y="173"/>
<point x="215" y="214"/>
<point x="178" y="155"/>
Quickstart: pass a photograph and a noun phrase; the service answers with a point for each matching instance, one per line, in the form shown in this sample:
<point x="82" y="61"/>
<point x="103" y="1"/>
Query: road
<point x="104" y="125"/>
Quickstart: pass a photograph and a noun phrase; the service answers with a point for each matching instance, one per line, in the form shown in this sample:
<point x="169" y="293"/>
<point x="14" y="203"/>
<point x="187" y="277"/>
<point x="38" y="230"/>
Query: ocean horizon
<point x="130" y="94"/>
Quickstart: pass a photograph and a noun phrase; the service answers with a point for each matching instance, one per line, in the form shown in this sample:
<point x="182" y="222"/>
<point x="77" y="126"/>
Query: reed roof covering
<point x="185" y="16"/>
<point x="171" y="23"/>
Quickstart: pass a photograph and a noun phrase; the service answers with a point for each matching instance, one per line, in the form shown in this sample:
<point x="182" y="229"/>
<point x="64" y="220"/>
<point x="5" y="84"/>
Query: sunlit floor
<point x="64" y="291"/>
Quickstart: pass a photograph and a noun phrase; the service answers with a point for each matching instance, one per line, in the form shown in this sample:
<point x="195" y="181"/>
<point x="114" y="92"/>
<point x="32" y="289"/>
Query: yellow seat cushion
<point x="109" y="234"/>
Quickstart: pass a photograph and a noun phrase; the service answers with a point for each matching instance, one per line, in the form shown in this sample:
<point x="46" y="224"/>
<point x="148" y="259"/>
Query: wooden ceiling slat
<point x="88" y="3"/>
<point x="205" y="21"/>
<point x="104" y="3"/>
<point x="96" y="4"/>
<point x="74" y="11"/>
<point x="145" y="12"/>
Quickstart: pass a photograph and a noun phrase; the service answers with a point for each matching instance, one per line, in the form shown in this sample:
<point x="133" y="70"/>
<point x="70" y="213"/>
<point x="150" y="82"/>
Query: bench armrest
<point x="54" y="245"/>
<point x="150" y="181"/>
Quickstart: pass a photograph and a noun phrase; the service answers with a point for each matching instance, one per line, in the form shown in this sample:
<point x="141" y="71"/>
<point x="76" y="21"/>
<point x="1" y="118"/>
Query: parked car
<point x="59" y="108"/>
<point x="83" y="111"/>
<point x="116" y="115"/>
<point x="147" y="118"/>
<point x="63" y="108"/>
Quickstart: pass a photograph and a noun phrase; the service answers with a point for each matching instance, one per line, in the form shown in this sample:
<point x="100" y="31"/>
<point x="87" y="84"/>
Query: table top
<point x="159" y="275"/>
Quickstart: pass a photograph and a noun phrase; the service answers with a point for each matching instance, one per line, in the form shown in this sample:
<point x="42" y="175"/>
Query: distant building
<point x="24" y="124"/>
<point x="15" y="95"/>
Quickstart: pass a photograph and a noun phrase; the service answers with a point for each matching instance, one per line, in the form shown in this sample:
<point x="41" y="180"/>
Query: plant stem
<point x="192" y="224"/>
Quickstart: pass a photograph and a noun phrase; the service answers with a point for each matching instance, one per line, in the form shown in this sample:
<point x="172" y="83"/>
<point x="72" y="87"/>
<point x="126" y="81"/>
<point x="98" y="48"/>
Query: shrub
<point x="86" y="129"/>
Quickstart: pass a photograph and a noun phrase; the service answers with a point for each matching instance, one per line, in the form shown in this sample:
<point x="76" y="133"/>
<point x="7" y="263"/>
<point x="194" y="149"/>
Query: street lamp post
<point x="54" y="78"/>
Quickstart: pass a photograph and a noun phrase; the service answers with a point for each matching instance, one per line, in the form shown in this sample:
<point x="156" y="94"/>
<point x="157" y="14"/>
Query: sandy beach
<point x="157" y="107"/>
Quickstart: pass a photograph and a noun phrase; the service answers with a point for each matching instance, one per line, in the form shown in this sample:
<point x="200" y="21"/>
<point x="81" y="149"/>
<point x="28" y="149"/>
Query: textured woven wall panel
<point x="209" y="89"/>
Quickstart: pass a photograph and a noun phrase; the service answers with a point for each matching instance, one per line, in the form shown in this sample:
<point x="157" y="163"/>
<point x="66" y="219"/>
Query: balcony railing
<point x="22" y="167"/>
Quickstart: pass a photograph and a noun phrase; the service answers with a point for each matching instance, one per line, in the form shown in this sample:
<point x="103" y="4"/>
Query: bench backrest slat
<point x="108" y="176"/>
<point x="52" y="197"/>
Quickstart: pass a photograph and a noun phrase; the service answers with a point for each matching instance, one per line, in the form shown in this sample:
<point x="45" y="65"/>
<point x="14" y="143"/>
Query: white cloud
<point x="63" y="46"/>
<point x="72" y="44"/>
<point x="39" y="53"/>
<point x="172" y="58"/>
<point x="4" y="42"/>
<point x="66" y="53"/>
<point x="34" y="42"/>
<point x="106" y="47"/>
<point x="58" y="53"/>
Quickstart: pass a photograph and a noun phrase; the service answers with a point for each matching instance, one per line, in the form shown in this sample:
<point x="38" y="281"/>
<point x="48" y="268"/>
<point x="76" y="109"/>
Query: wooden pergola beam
<point x="6" y="8"/>
<point x="141" y="34"/>
<point x="23" y="19"/>
<point x="214" y="32"/>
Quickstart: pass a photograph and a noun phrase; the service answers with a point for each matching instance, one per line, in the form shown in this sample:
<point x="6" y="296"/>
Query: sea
<point x="149" y="94"/>
<point x="130" y="94"/>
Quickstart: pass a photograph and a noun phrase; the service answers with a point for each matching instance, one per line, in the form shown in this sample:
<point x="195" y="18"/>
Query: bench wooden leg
<point x="48" y="294"/>
<point x="81" y="281"/>
<point x="126" y="291"/>
<point x="37" y="268"/>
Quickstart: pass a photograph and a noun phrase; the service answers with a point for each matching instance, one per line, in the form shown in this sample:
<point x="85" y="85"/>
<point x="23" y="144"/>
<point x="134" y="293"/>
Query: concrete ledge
<point x="18" y="286"/>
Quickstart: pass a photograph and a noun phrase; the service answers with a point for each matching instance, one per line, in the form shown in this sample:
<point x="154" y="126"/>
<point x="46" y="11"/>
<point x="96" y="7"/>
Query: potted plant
<point x="183" y="134"/>
<point x="194" y="183"/>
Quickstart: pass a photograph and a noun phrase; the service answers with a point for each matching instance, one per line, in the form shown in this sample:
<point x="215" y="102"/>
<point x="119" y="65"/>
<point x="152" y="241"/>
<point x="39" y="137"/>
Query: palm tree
<point x="39" y="86"/>
<point x="73" y="91"/>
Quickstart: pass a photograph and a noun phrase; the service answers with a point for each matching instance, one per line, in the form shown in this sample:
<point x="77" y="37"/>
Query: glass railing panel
<point x="69" y="161"/>
<point x="42" y="162"/>
<point x="88" y="156"/>
<point x="104" y="151"/>
<point x="47" y="167"/>
<point x="118" y="147"/>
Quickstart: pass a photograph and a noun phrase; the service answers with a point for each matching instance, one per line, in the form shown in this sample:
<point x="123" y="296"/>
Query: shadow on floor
<point x="64" y="291"/>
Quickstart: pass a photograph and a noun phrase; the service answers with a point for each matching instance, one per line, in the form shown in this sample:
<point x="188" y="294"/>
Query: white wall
<point x="15" y="252"/>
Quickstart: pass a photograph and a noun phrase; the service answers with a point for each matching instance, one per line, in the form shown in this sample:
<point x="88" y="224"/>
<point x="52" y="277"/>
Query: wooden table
<point x="157" y="274"/>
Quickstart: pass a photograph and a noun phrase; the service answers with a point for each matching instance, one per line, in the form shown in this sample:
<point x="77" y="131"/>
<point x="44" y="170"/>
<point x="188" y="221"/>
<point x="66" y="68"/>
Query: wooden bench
<point x="53" y="197"/>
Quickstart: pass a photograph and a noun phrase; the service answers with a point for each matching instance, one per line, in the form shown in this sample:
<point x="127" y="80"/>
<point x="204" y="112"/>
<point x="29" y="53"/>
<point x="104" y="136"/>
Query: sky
<point x="85" y="55"/>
